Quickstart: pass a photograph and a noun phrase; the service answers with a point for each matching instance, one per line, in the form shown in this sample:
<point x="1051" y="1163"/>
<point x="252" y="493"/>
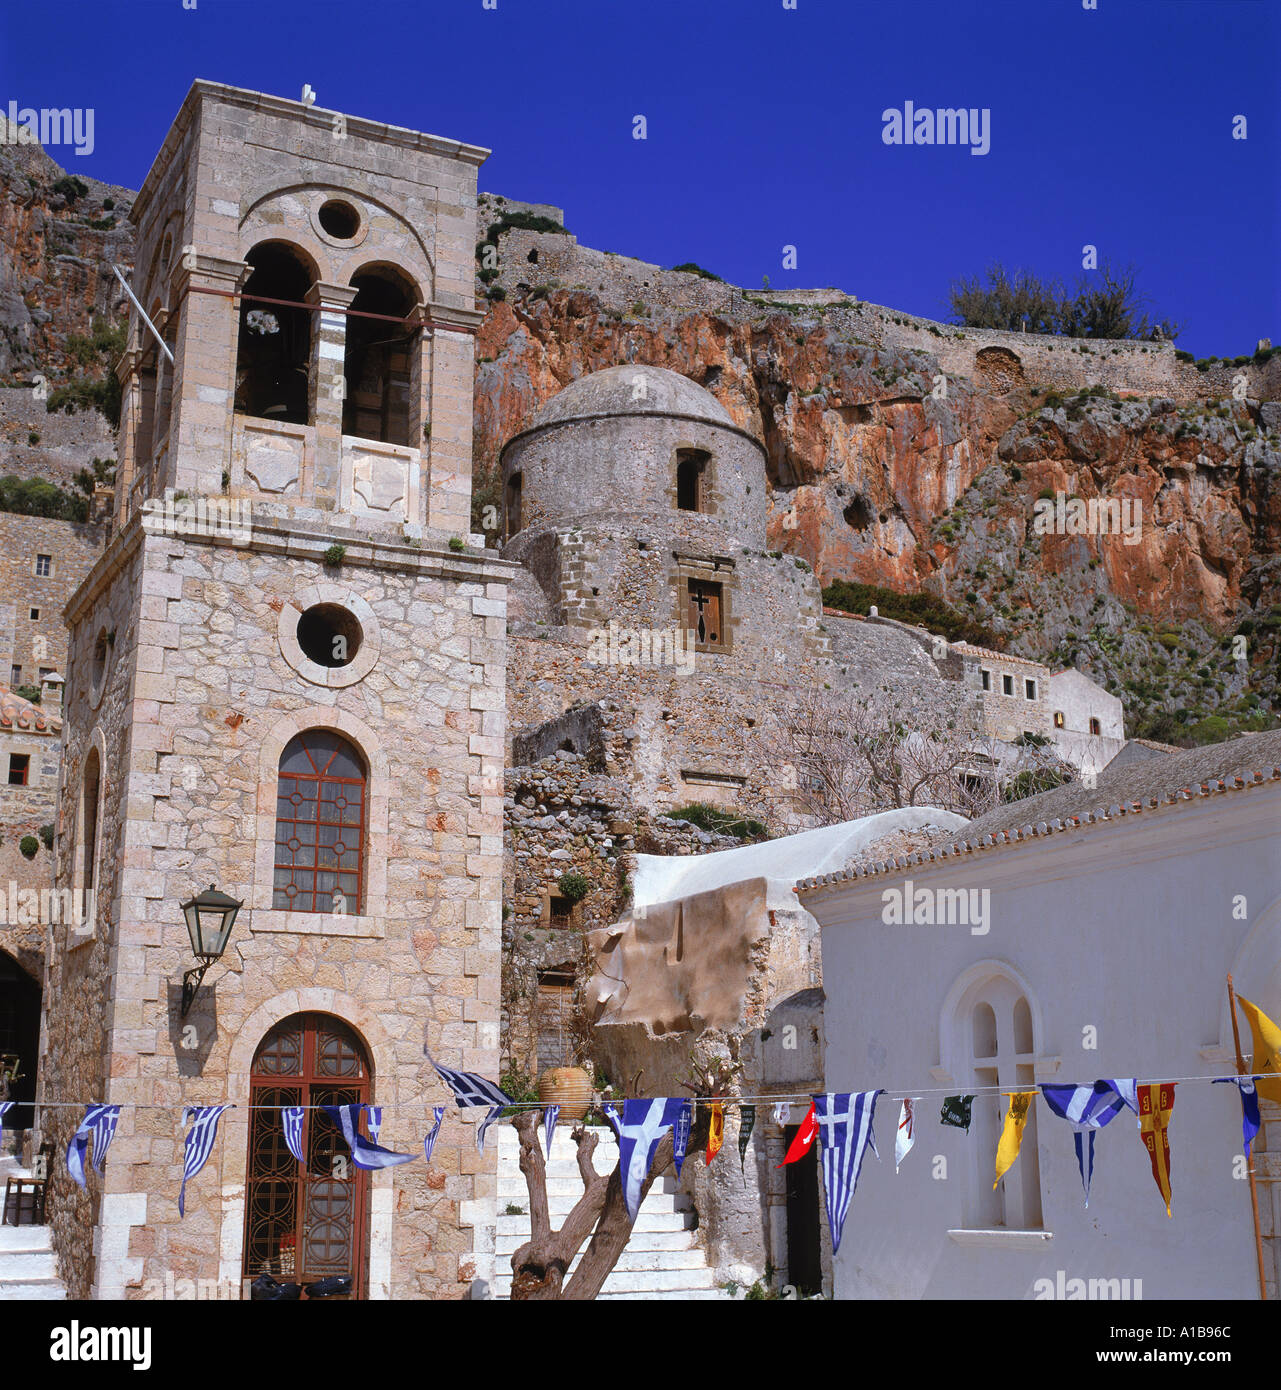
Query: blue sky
<point x="1111" y="127"/>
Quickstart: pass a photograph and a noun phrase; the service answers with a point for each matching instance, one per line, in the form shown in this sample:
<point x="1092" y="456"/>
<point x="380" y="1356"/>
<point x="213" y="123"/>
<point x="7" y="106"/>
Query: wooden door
<point x="304" y="1223"/>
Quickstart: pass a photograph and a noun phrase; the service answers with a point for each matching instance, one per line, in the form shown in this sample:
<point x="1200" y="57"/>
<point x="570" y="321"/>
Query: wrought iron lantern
<point x="210" y="916"/>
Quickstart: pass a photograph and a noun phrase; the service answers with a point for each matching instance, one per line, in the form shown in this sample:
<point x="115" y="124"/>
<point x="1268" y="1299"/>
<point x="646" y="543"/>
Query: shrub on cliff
<point x="919" y="609"/>
<point x="35" y="497"/>
<point x="1105" y="304"/>
<point x="691" y="268"/>
<point x="720" y="821"/>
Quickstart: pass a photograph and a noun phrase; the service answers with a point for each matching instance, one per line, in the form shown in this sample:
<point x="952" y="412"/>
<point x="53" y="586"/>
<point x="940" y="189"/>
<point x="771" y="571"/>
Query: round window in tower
<point x="329" y="634"/>
<point x="339" y="219"/>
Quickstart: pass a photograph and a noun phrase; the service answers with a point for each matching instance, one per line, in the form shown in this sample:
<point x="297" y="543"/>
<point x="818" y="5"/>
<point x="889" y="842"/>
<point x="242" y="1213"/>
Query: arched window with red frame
<point x="320" y="825"/>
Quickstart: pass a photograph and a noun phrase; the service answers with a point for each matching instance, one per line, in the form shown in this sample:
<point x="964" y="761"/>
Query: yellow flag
<point x="1267" y="1048"/>
<point x="1012" y="1135"/>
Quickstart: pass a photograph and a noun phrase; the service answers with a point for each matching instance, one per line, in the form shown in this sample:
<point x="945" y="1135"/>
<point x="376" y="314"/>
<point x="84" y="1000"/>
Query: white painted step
<point x="636" y="1281"/>
<point x="27" y="1292"/>
<point x="509" y="1243"/>
<point x="30" y="1267"/>
<point x="27" y="1266"/>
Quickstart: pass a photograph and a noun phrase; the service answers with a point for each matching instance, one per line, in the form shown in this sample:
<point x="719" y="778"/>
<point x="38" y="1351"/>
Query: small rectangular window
<point x="560" y="910"/>
<point x="19" y="767"/>
<point x="1095" y="727"/>
<point x="44" y="566"/>
<point x="1007" y="685"/>
<point x="1058" y="718"/>
<point x="1029" y="689"/>
<point x="704" y="614"/>
<point x="986" y="677"/>
<point x="35" y="615"/>
<point x="15" y="676"/>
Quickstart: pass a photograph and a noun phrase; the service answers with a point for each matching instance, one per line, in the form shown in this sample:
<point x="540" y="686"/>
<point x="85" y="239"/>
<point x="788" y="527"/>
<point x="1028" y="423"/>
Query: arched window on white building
<point x="989" y="1040"/>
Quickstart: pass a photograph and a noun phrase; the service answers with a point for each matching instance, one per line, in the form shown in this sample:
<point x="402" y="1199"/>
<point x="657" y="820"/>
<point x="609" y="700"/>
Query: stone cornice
<point x="292" y="110"/>
<point x="274" y="536"/>
<point x="629" y="415"/>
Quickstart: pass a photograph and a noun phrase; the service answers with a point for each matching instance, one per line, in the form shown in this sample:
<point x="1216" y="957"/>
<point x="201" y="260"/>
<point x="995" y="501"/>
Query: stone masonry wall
<point x="200" y="701"/>
<point x="29" y="642"/>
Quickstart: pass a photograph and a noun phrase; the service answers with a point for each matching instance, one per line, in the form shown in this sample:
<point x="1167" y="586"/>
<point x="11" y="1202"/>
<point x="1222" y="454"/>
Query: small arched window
<point x="90" y="795"/>
<point x="1095" y="727"/>
<point x="691" y="480"/>
<point x="320" y="825"/>
<point x="512" y="508"/>
<point x="993" y="1046"/>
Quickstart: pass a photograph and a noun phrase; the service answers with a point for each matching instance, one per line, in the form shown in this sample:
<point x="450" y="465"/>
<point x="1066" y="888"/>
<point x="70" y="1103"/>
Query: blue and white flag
<point x="643" y="1124"/>
<point x="5" y="1107"/>
<point x="363" y="1153"/>
<point x="100" y="1122"/>
<point x="680" y="1134"/>
<point x="610" y="1112"/>
<point x="550" y="1116"/>
<point x="470" y="1089"/>
<point x="1088" y="1109"/>
<point x="1250" y="1121"/>
<point x="494" y="1112"/>
<point x="373" y="1120"/>
<point x="429" y="1143"/>
<point x="198" y="1144"/>
<point x="844" y="1122"/>
<point x="291" y="1118"/>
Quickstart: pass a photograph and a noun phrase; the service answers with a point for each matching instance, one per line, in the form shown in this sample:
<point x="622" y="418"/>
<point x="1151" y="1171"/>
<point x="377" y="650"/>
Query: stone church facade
<point x="305" y="710"/>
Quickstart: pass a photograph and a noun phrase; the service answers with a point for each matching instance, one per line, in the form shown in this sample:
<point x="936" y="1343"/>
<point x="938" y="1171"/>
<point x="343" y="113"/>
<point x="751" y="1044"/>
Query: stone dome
<point x="633" y="389"/>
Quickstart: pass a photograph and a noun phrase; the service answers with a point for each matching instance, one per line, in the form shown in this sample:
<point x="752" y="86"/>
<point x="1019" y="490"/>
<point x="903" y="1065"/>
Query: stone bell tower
<point x="286" y="679"/>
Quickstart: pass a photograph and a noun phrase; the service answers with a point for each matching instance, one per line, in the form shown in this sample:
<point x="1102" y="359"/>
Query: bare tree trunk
<point x="539" y="1267"/>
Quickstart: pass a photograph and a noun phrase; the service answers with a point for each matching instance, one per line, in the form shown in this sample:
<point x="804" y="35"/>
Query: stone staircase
<point x="27" y="1268"/>
<point x="663" y="1259"/>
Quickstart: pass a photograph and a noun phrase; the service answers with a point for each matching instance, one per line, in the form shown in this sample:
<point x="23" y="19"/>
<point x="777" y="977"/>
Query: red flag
<point x="805" y="1137"/>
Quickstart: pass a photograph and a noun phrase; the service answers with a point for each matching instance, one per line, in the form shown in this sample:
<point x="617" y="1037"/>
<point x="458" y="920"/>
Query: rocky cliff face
<point x="901" y="452"/>
<point x="55" y="274"/>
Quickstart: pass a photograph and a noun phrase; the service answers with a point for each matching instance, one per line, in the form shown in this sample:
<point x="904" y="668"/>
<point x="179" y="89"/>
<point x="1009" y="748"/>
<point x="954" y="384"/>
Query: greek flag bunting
<point x="680" y="1134"/>
<point x="782" y="1114"/>
<point x="844" y="1122"/>
<point x="364" y="1153"/>
<point x="100" y="1122"/>
<point x="5" y="1107"/>
<point x="291" y="1117"/>
<point x="550" y="1116"/>
<point x="643" y="1124"/>
<point x="373" y="1120"/>
<point x="429" y="1142"/>
<point x="1250" y="1121"/>
<point x="198" y="1144"/>
<point x="1088" y="1109"/>
<point x="482" y="1128"/>
<point x="470" y="1089"/>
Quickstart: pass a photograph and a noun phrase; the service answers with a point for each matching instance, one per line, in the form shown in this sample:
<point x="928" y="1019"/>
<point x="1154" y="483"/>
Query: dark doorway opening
<point x="19" y="1040"/>
<point x="804" y="1245"/>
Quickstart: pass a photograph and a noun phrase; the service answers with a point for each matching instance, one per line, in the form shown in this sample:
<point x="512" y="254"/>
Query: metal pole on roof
<point x="155" y="332"/>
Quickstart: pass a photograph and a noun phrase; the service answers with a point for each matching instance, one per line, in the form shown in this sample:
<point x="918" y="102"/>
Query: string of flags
<point x="841" y="1122"/>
